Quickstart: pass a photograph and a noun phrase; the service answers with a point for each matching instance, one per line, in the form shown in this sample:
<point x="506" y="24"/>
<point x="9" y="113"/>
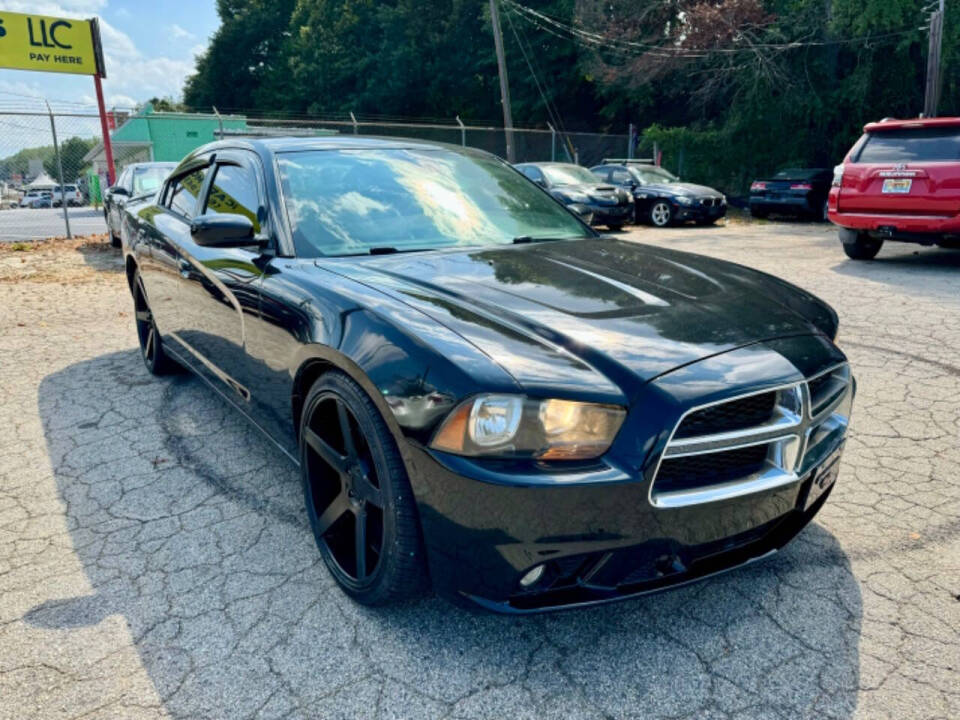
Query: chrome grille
<point x="753" y="442"/>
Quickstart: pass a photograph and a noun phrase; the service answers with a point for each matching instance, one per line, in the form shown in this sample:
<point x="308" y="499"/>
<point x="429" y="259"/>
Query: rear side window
<point x="185" y="191"/>
<point x="905" y="146"/>
<point x="234" y="192"/>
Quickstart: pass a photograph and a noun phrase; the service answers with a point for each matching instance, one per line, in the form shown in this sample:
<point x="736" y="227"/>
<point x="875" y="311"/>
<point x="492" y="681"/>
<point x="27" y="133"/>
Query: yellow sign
<point x="38" y="42"/>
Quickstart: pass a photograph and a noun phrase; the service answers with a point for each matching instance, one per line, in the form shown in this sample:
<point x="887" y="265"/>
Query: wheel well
<point x="131" y="269"/>
<point x="305" y="378"/>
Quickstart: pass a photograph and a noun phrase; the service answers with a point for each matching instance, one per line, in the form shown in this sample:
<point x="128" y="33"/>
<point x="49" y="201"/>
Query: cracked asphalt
<point x="155" y="560"/>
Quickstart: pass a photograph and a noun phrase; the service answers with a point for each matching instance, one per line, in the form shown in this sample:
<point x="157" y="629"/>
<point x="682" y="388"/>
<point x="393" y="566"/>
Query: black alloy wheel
<point x="151" y="349"/>
<point x="358" y="499"/>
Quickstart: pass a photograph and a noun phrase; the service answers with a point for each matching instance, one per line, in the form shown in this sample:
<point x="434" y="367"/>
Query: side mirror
<point x="541" y="182"/>
<point x="118" y="190"/>
<point x="222" y="230"/>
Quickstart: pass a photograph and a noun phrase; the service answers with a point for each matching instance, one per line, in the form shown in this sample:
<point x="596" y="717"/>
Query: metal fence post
<point x="553" y="143"/>
<point x="219" y="120"/>
<point x="630" y="142"/>
<point x="63" y="187"/>
<point x="463" y="131"/>
<point x="353" y="119"/>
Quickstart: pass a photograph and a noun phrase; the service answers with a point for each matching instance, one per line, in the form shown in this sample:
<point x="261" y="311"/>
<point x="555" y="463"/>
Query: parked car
<point x="72" y="194"/>
<point x="900" y="181"/>
<point x="37" y="199"/>
<point x="659" y="196"/>
<point x="479" y="390"/>
<point x="136" y="180"/>
<point x="792" y="191"/>
<point x="583" y="192"/>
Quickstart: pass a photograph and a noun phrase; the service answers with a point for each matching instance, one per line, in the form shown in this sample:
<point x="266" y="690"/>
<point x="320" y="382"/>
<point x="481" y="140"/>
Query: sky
<point x="149" y="47"/>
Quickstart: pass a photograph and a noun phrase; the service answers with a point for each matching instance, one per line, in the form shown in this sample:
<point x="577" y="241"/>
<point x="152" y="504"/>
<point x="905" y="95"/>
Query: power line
<point x="571" y="32"/>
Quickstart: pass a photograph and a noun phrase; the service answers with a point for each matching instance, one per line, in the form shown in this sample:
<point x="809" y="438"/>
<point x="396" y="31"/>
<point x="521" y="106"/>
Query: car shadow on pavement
<point x="189" y="525"/>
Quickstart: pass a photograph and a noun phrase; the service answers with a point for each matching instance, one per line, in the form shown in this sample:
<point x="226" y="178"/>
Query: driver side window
<point x="234" y="192"/>
<point x="183" y="192"/>
<point x="621" y="177"/>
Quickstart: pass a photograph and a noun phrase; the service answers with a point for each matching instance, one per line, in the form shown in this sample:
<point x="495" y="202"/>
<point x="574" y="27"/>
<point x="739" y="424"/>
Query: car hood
<point x="679" y="189"/>
<point x="593" y="312"/>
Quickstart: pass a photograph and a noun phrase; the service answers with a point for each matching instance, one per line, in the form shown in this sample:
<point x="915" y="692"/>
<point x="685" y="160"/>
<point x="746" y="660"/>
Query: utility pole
<point x="931" y="96"/>
<point x="504" y="80"/>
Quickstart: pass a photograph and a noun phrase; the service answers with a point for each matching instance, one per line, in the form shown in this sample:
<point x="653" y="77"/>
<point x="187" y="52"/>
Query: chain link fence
<point x="53" y="168"/>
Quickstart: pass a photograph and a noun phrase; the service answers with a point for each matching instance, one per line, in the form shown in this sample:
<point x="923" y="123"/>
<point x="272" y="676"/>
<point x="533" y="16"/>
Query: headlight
<point x="517" y="426"/>
<point x="684" y="199"/>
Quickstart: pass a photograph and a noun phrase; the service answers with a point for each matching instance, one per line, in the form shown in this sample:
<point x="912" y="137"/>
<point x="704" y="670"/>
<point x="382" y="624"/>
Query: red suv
<point x="900" y="181"/>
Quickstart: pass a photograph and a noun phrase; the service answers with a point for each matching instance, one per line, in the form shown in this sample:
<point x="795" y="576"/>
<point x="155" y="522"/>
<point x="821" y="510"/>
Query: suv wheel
<point x="859" y="246"/>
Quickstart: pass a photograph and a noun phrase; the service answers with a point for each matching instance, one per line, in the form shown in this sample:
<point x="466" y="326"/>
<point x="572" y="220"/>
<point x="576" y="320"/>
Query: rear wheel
<point x="858" y="245"/>
<point x="358" y="499"/>
<point x="615" y="227"/>
<point x="151" y="349"/>
<point x="661" y="214"/>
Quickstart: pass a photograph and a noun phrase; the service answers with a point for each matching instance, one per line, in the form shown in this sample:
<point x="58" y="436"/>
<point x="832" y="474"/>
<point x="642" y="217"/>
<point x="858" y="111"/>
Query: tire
<point x="614" y="227"/>
<point x="758" y="213"/>
<point x="114" y="240"/>
<point x="661" y="214"/>
<point x="151" y="348"/>
<point x="824" y="216"/>
<point x="859" y="246"/>
<point x="353" y="477"/>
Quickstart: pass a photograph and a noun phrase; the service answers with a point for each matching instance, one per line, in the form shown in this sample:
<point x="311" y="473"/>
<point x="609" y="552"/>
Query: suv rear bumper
<point x="903" y="227"/>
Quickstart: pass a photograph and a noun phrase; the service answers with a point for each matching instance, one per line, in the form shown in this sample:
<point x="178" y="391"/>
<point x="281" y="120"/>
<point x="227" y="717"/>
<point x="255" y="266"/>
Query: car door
<point x="161" y="229"/>
<point x="219" y="294"/>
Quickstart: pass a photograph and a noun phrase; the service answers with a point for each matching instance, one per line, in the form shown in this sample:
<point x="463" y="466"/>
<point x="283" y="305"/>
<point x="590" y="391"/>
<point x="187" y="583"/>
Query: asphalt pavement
<point x="22" y="224"/>
<point x="156" y="562"/>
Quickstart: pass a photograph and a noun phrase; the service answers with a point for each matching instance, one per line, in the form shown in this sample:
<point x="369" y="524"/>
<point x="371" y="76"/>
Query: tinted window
<point x="919" y="145"/>
<point x="650" y="174"/>
<point x="185" y="191"/>
<point x="800" y="174"/>
<point x="234" y="192"/>
<point x="148" y="179"/>
<point x="621" y="177"/>
<point x="569" y="175"/>
<point x="342" y="202"/>
<point x="532" y="172"/>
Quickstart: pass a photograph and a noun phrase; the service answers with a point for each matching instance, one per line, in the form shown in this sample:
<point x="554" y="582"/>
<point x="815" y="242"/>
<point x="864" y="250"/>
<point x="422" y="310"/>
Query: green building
<point x="161" y="136"/>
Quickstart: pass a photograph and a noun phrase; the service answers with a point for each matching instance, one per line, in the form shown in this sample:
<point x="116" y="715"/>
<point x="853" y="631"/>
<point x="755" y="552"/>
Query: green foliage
<point x="732" y="117"/>
<point x="72" y="151"/>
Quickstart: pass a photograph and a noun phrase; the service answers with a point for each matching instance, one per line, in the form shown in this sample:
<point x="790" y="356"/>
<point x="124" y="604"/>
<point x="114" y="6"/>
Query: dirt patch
<point x="60" y="260"/>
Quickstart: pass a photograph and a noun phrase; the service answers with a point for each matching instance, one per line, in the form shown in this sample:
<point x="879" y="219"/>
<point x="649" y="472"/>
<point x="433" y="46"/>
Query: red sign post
<point x="104" y="124"/>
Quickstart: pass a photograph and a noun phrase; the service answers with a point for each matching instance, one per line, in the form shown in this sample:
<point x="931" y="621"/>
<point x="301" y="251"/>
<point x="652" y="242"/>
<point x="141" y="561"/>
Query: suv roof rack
<point x="628" y="161"/>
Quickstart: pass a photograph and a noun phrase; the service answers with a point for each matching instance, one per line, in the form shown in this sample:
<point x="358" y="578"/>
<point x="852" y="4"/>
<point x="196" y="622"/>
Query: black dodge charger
<point x="481" y="393"/>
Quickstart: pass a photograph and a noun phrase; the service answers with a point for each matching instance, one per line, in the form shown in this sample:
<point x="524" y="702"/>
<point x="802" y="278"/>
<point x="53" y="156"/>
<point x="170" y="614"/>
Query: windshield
<point x="569" y="175"/>
<point x="148" y="179"/>
<point x="918" y="145"/>
<point x="651" y="175"/>
<point x="347" y="202"/>
<point x="797" y="173"/>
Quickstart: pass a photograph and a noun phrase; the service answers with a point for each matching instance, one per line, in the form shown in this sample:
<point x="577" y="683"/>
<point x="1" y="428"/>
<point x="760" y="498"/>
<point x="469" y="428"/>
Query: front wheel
<point x="661" y="214"/>
<point x="151" y="348"/>
<point x="358" y="499"/>
<point x="859" y="246"/>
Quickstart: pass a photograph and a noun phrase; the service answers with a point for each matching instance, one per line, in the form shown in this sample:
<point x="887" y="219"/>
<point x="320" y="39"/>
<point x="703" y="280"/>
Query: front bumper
<point x="604" y="214"/>
<point x="597" y="528"/>
<point x="698" y="211"/>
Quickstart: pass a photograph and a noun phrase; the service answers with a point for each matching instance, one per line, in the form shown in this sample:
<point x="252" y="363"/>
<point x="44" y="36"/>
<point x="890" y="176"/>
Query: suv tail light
<point x="801" y="186"/>
<point x="837" y="175"/>
<point x="758" y="186"/>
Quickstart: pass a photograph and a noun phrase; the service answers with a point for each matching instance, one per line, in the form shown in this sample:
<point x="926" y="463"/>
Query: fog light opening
<point x="532" y="577"/>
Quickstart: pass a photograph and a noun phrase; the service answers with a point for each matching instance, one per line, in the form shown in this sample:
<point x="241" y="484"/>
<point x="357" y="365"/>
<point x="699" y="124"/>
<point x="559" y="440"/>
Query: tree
<point x="72" y="151"/>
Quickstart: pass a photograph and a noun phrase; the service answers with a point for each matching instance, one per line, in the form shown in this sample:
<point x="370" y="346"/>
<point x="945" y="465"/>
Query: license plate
<point x="897" y="185"/>
<point x="821" y="481"/>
